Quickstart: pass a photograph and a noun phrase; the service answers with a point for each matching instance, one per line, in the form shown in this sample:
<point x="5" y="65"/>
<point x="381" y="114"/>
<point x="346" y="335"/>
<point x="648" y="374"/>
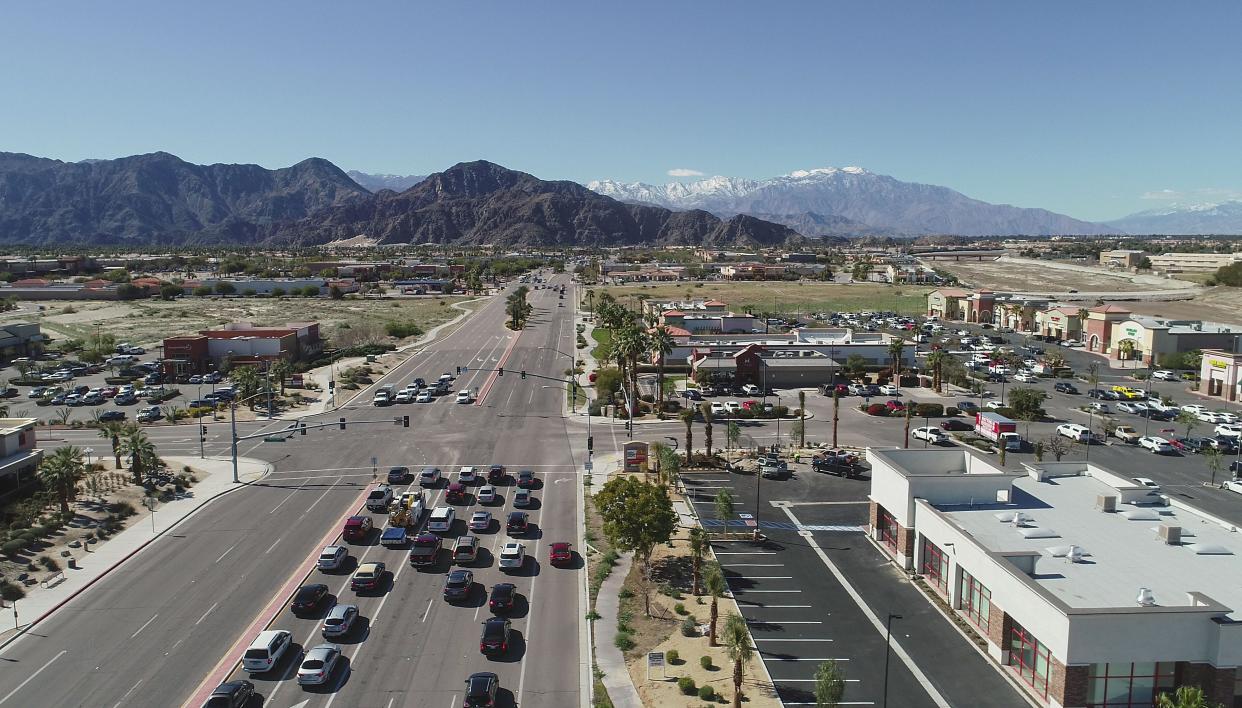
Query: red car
<point x="560" y="553"/>
<point x="109" y="392"/>
<point x="895" y="405"/>
<point x="750" y="405"/>
<point x="357" y="528"/>
<point x="496" y="474"/>
<point x="456" y="493"/>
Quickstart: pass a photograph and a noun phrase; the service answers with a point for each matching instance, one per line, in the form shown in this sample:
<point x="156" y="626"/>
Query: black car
<point x="1224" y="444"/>
<point x="231" y="694"/>
<point x="1065" y="387"/>
<point x="457" y="584"/>
<point x="496" y="474"/>
<point x="968" y="406"/>
<point x="398" y="475"/>
<point x="9" y="392"/>
<point x="1190" y="444"/>
<point x="1096" y="393"/>
<point x="526" y="479"/>
<point x="1154" y="414"/>
<point x="419" y="383"/>
<point x="502" y="596"/>
<point x="111" y="415"/>
<point x="1235" y="467"/>
<point x="481" y="690"/>
<point x="308" y="598"/>
<point x="692" y="394"/>
<point x="495" y="637"/>
<point x="517" y="523"/>
<point x="955" y="424"/>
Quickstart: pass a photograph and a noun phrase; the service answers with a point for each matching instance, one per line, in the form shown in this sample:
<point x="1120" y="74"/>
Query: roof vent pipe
<point x="1145" y="598"/>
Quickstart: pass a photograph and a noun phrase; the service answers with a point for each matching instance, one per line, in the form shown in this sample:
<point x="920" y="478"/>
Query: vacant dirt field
<point x="784" y="297"/>
<point x="1036" y="277"/>
<point x="1220" y="304"/>
<point x="149" y="321"/>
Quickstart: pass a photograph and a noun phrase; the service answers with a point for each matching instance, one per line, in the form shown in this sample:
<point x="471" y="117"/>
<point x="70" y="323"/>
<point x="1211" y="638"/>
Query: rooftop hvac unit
<point x="1106" y="503"/>
<point x="1145" y="598"/>
<point x="1171" y="534"/>
<point x="1076" y="554"/>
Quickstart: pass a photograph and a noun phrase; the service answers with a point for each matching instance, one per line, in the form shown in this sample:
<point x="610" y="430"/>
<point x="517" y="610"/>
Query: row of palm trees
<point x="734" y="635"/>
<point x="65" y="467"/>
<point x="630" y="340"/>
<point x="130" y="440"/>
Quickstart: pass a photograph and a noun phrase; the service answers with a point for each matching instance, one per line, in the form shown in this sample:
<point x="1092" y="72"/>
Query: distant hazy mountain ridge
<point x="1223" y="219"/>
<point x="374" y="183"/>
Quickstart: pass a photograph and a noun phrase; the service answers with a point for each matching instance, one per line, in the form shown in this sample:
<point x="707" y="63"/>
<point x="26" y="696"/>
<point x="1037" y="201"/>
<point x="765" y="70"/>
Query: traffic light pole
<point x="299" y="427"/>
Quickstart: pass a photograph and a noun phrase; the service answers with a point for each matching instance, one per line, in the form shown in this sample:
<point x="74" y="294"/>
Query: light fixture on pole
<point x="888" y="634"/>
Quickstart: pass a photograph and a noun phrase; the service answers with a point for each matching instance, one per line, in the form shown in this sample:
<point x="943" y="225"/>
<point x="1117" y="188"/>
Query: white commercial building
<point x="1092" y="589"/>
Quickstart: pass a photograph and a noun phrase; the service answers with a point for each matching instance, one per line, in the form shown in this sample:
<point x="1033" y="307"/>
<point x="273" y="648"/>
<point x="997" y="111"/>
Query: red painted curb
<point x="487" y="385"/>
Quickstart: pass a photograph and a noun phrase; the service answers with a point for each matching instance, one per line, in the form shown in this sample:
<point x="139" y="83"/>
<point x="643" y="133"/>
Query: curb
<point x="26" y="628"/>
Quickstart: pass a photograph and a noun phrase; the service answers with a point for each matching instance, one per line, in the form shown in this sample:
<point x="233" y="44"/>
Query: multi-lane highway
<point x="173" y="621"/>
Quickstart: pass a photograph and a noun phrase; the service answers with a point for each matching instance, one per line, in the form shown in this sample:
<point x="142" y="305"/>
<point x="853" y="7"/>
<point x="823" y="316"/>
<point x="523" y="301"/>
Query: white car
<point x="1158" y="445"/>
<point x="441" y="520"/>
<point x="1229" y="430"/>
<point x="1025" y="377"/>
<point x="331" y="557"/>
<point x="1132" y="406"/>
<point x="934" y="436"/>
<point x="994" y="405"/>
<point x="733" y="406"/>
<point x="318" y="664"/>
<point x="1098" y="407"/>
<point x="1146" y="482"/>
<point x="1209" y="417"/>
<point x="1164" y="375"/>
<point x="405" y="396"/>
<point x="718" y="408"/>
<point x="463" y="396"/>
<point x="889" y="390"/>
<point x="1227" y="417"/>
<point x="468" y="474"/>
<point x="481" y="521"/>
<point x="1071" y="343"/>
<point x="425" y="396"/>
<point x="512" y="556"/>
<point x="1074" y="431"/>
<point x="751" y="390"/>
<point x="1195" y="408"/>
<point x="486" y="495"/>
<point x="999" y="369"/>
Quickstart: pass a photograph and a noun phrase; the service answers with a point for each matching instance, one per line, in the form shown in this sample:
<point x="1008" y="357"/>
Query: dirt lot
<point x="1008" y="275"/>
<point x="149" y="321"/>
<point x="780" y="296"/>
<point x="1220" y="304"/>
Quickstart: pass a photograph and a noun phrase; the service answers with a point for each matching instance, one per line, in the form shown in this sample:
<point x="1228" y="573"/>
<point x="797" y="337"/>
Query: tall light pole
<point x="888" y="634"/>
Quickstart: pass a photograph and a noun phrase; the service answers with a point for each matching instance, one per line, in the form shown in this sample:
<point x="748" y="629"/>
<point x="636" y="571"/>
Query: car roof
<point x="369" y="567"/>
<point x="266" y="636"/>
<point x="512" y="546"/>
<point x="560" y="545"/>
<point x="504" y="587"/>
<point x="340" y="610"/>
<point x="358" y="519"/>
<point x="517" y="514"/>
<point x="458" y="574"/>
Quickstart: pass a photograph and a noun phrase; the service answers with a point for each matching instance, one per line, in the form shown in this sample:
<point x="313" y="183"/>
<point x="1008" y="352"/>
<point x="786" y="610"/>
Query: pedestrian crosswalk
<point x="786" y="526"/>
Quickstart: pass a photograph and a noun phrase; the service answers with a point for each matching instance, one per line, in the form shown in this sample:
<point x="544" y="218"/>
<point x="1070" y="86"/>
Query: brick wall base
<point x="1217" y="684"/>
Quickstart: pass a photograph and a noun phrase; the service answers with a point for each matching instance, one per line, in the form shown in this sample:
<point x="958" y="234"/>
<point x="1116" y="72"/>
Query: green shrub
<point x="689" y="627"/>
<point x="49" y="562"/>
<point x="705" y="662"/>
<point x="624" y="641"/>
<point x="401" y="330"/>
<point x="12" y="548"/>
<point x="679" y="608"/>
<point x="686" y="685"/>
<point x="11" y="591"/>
<point x="707" y="693"/>
<point x="673" y="656"/>
<point x="951" y="411"/>
<point x="928" y="410"/>
<point x="625" y="593"/>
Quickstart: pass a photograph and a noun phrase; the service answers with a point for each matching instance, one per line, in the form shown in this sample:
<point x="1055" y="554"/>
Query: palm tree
<point x="707" y="428"/>
<point x="802" y="419"/>
<point x="247" y="381"/>
<point x="687" y="417"/>
<point x="662" y="344"/>
<point x="714" y="584"/>
<point x="111" y="431"/>
<point x="698" y="545"/>
<point x="936" y="361"/>
<point x="895" y="349"/>
<point x="140" y="450"/>
<point x="60" y="472"/>
<point x="740" y="652"/>
<point x="836" y="411"/>
<point x="281" y="369"/>
<point x="1125" y="349"/>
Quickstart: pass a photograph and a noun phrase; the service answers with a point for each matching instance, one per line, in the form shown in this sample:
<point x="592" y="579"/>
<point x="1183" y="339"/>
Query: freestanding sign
<point x="654" y="659"/>
<point x="635" y="456"/>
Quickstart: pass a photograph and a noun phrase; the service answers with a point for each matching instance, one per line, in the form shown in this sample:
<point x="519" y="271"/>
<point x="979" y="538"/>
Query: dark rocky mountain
<point x="374" y="183"/>
<point x="157" y="198"/>
<point x="477" y="203"/>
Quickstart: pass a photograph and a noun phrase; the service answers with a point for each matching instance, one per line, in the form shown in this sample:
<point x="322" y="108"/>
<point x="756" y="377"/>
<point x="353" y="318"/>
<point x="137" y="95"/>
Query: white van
<point x="266" y="649"/>
<point x="121" y="360"/>
<point x="441" y="520"/>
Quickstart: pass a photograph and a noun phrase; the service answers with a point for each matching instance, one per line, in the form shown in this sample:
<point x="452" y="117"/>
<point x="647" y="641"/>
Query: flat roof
<point x="1123" y="549"/>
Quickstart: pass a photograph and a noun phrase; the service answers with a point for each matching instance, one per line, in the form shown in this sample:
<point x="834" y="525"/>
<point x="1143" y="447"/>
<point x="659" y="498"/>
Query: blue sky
<point x="1093" y="109"/>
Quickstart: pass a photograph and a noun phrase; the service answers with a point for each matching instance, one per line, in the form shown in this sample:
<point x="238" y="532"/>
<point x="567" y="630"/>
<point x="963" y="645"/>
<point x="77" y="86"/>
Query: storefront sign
<point x="1131" y="331"/>
<point x="636" y="456"/>
<point x="1218" y="364"/>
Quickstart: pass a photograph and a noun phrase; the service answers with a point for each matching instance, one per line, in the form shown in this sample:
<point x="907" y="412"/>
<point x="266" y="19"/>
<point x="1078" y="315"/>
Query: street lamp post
<point x="888" y="634"/>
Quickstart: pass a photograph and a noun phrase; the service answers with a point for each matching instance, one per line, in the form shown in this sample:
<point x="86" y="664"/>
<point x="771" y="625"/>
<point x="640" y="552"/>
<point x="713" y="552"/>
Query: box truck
<point x="998" y="429"/>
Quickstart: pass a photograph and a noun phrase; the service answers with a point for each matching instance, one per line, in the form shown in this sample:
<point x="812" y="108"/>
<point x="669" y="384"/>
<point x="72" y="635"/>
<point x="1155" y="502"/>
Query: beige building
<point x="1122" y="258"/>
<point x="19" y="458"/>
<point x="1194" y="262"/>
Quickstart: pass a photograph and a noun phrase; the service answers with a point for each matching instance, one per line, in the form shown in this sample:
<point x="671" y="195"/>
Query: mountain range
<point x="1224" y="218"/>
<point x="374" y="183"/>
<point x="867" y="201"/>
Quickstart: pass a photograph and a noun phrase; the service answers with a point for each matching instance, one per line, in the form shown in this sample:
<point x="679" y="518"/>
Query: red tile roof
<point x="714" y="303"/>
<point x="674" y="313"/>
<point x="1109" y="308"/>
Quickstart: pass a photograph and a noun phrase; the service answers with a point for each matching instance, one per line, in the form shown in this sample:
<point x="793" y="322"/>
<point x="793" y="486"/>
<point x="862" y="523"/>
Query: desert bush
<point x="49" y="562"/>
<point x="12" y="548"/>
<point x="624" y="641"/>
<point x="679" y="608"/>
<point x="689" y="627"/>
<point x="706" y="662"/>
<point x="673" y="656"/>
<point x="686" y="685"/>
<point x="707" y="693"/>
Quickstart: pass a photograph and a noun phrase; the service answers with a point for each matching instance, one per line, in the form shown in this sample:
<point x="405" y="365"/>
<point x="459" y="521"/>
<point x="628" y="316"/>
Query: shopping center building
<point x="1090" y="588"/>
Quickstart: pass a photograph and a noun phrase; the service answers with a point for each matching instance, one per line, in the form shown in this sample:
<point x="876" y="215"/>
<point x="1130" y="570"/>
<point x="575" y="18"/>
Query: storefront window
<point x="888" y="530"/>
<point x="935" y="566"/>
<point x="1129" y="685"/>
<point x="1031" y="659"/>
<point x="976" y="602"/>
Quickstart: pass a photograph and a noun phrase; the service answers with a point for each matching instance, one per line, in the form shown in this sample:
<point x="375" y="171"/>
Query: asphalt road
<point x="177" y="617"/>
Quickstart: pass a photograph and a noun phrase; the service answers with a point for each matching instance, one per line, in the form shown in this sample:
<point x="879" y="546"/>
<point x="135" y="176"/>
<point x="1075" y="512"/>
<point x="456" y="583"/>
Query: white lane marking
<point x="209" y="611"/>
<point x="756" y="565"/>
<point x="295" y="491"/>
<point x="222" y="555"/>
<point x="773" y="607"/>
<point x="428" y="610"/>
<point x="391" y="701"/>
<point x="321" y="496"/>
<point x="806" y="658"/>
<point x="875" y="621"/>
<point x="269" y="548"/>
<point x="126" y="695"/>
<point x="30" y="678"/>
<point x="371" y="625"/>
<point x="813" y="681"/>
<point x="148" y="623"/>
<point x="779" y="639"/>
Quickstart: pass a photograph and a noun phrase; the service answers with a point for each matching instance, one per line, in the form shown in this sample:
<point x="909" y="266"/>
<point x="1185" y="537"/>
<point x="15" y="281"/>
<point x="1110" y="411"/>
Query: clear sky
<point x="1094" y="109"/>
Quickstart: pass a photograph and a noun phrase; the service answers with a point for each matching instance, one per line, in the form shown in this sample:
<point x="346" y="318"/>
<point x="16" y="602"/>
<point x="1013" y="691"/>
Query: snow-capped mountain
<point x="374" y="183"/>
<point x="864" y="197"/>
<point x="1223" y="219"/>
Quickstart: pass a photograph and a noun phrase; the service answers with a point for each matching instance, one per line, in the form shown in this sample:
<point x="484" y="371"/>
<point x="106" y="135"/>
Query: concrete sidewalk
<point x="91" y="566"/>
<point x="608" y="657"/>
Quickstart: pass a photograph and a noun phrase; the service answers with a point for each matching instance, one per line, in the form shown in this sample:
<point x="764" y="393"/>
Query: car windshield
<point x="334" y="620"/>
<point x="456" y="581"/>
<point x="478" y="686"/>
<point x="425" y="542"/>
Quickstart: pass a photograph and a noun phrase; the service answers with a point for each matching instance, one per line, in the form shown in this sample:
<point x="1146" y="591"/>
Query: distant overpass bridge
<point x="963" y="255"/>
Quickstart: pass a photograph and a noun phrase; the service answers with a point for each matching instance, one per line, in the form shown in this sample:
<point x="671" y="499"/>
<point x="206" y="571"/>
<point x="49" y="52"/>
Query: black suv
<point x="1065" y="387"/>
<point x="481" y="690"/>
<point x="502" y="596"/>
<point x="517" y="523"/>
<point x="233" y="694"/>
<point x="495" y="637"/>
<point x="308" y="598"/>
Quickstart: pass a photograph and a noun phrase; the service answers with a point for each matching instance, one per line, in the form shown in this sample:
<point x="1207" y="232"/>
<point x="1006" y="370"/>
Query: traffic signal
<point x="405" y="421"/>
<point x="331" y="384"/>
<point x="500" y="371"/>
<point x="342" y="423"/>
<point x="523" y="373"/>
<point x="590" y="443"/>
<point x="302" y="428"/>
<point x="203" y="431"/>
<point x="459" y="371"/>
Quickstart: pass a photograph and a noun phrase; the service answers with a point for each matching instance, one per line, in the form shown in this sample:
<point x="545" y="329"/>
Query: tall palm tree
<point x="714" y="583"/>
<point x="739" y="650"/>
<point x="802" y="419"/>
<point x="247" y="381"/>
<point x="281" y="369"/>
<point x="707" y="428"/>
<point x="836" y="414"/>
<point x="111" y="431"/>
<point x="662" y="344"/>
<point x="698" y="546"/>
<point x="61" y="471"/>
<point x="895" y="349"/>
<point x="1125" y="348"/>
<point x="140" y="450"/>
<point x="687" y="417"/>
<point x="936" y="361"/>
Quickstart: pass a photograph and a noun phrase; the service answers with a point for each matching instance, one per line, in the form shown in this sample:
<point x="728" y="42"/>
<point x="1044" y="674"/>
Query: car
<point x="718" y="408"/>
<point x="149" y="414"/>
<point x="502" y="597"/>
<point x="517" y="523"/>
<point x="1228" y="430"/>
<point x="468" y="474"/>
<point x="457" y="585"/>
<point x="889" y="390"/>
<point x="332" y="557"/>
<point x="1099" y="408"/>
<point x="398" y="475"/>
<point x="357" y="528"/>
<point x="463" y="396"/>
<point x="405" y="396"/>
<point x="456" y="493"/>
<point x="425" y="550"/>
<point x="429" y="477"/>
<point x="466" y="550"/>
<point x="1071" y="342"/>
<point x="231" y="694"/>
<point x="266" y="650"/>
<point x="1065" y="387"/>
<point x="522" y="498"/>
<point x="692" y="394"/>
<point x="512" y="556"/>
<point x="368" y="576"/>
<point x="481" y="521"/>
<point x="495" y="636"/>
<point x="1132" y="406"/>
<point x="481" y="688"/>
<point x="1126" y="433"/>
<point x="560" y="553"/>
<point x="195" y="380"/>
<point x="1074" y="431"/>
<point x="394" y="537"/>
<point x="445" y="378"/>
<point x="994" y="405"/>
<point x="1164" y="375"/>
<point x="526" y="479"/>
<point x="956" y="424"/>
<point x="1227" y="417"/>
<point x="895" y="404"/>
<point x="125" y="399"/>
<point x="968" y="407"/>
<point x="339" y="621"/>
<point x="425" y="396"/>
<point x="1194" y="408"/>
<point x="486" y="494"/>
<point x="1025" y="377"/>
<point x="1188" y="444"/>
<point x="1157" y="445"/>
<point x="773" y="468"/>
<point x="1209" y="417"/>
<point x="318" y="664"/>
<point x="112" y="415"/>
<point x="751" y="390"/>
<point x="380" y="498"/>
<point x="496" y="474"/>
<point x="1146" y="482"/>
<point x="308" y="598"/>
<point x="932" y="435"/>
<point x="732" y="407"/>
<point x="441" y="519"/>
